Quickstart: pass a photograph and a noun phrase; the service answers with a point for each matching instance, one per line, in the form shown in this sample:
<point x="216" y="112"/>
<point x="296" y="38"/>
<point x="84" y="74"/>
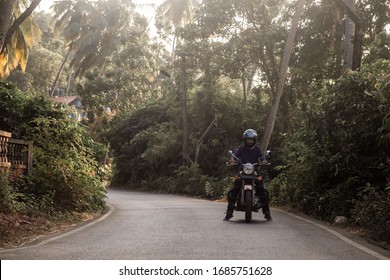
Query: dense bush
<point x="147" y="144"/>
<point x="67" y="162"/>
<point x="5" y="192"/>
<point x="342" y="147"/>
<point x="372" y="210"/>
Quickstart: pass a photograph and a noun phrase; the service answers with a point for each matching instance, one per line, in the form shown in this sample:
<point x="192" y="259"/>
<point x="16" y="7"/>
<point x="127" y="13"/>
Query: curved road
<point x="153" y="226"/>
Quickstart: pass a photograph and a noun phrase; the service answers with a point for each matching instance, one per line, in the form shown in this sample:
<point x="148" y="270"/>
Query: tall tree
<point x="17" y="32"/>
<point x="348" y="39"/>
<point x="90" y="30"/>
<point x="127" y="82"/>
<point x="184" y="106"/>
<point x="248" y="33"/>
<point x="179" y="13"/>
<point x="70" y="17"/>
<point x="353" y="52"/>
<point x="6" y="11"/>
<point x="282" y="75"/>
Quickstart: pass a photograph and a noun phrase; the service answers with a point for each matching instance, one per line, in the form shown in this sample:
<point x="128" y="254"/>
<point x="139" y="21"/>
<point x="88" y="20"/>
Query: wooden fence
<point x="15" y="155"/>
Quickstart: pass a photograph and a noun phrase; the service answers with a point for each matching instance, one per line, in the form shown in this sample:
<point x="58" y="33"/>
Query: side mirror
<point x="232" y="154"/>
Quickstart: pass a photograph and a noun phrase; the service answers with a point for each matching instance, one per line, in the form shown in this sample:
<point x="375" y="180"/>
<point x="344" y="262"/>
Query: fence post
<point x="29" y="158"/>
<point x="5" y="164"/>
<point x="15" y="155"/>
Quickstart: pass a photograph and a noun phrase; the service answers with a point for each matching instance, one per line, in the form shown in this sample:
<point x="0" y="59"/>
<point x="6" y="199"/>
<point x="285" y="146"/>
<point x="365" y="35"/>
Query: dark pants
<point x="260" y="192"/>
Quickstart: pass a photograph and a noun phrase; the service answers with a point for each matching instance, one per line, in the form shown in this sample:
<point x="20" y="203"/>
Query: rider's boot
<point x="267" y="216"/>
<point x="230" y="208"/>
<point x="229" y="215"/>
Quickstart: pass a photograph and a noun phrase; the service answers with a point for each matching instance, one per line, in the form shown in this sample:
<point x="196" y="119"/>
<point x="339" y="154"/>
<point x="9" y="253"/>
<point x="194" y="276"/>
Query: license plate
<point x="247" y="187"/>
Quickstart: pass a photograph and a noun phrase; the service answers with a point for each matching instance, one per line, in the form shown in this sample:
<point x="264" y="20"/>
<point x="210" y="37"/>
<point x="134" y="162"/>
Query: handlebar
<point x="228" y="163"/>
<point x="239" y="162"/>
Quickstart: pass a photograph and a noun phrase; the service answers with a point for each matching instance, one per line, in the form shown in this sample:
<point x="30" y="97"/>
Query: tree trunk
<point x="282" y="76"/>
<point x="348" y="40"/>
<point x="357" y="42"/>
<point x="243" y="81"/>
<point x="173" y="54"/>
<point x="207" y="131"/>
<point x="184" y="109"/>
<point x="209" y="86"/>
<point x="247" y="84"/>
<point x="69" y="82"/>
<point x="6" y="8"/>
<point x="357" y="47"/>
<point x="59" y="72"/>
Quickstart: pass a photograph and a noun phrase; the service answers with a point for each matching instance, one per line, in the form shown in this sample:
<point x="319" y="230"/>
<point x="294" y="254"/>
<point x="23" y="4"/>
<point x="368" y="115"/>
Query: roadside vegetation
<point x="162" y="118"/>
<point x="67" y="181"/>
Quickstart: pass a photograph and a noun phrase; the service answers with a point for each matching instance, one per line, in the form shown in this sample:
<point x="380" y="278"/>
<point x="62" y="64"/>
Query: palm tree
<point x="90" y="30"/>
<point x="282" y="75"/>
<point x="179" y="13"/>
<point x="17" y="33"/>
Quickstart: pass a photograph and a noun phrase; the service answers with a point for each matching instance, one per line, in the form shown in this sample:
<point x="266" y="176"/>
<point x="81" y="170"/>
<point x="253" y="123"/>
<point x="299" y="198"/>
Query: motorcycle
<point x="247" y="200"/>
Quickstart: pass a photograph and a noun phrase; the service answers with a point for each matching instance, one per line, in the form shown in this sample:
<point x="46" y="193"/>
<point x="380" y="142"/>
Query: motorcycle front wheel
<point x="248" y="206"/>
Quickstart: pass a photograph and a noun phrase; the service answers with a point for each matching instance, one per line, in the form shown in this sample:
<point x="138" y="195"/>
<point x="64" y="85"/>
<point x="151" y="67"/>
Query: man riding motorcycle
<point x="249" y="152"/>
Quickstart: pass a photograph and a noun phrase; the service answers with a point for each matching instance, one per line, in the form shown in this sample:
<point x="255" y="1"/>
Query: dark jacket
<point x="250" y="155"/>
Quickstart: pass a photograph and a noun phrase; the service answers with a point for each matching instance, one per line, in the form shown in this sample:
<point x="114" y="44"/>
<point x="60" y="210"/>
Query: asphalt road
<point x="167" y="227"/>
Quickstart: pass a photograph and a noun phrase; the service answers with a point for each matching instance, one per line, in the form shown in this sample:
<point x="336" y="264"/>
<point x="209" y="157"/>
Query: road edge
<point x="111" y="209"/>
<point x="339" y="235"/>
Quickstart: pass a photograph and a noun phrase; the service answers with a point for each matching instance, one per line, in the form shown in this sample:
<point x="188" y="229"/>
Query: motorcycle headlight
<point x="248" y="168"/>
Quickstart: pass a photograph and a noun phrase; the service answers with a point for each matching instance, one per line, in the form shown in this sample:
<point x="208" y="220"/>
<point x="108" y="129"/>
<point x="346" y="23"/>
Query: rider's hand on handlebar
<point x="264" y="162"/>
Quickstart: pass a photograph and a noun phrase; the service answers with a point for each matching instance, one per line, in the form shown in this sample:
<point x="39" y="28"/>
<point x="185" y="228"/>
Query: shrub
<point x="5" y="192"/>
<point x="67" y="174"/>
<point x="218" y="189"/>
<point x="371" y="209"/>
<point x="65" y="164"/>
<point x="342" y="144"/>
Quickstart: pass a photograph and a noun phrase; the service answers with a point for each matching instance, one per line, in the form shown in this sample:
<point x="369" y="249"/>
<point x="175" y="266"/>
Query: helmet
<point x="249" y="137"/>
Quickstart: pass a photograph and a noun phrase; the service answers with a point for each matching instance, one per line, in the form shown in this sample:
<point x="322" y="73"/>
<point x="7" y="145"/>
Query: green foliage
<point x="91" y="30"/>
<point x="134" y="139"/>
<point x="331" y="143"/>
<point x="380" y="48"/>
<point x="189" y="181"/>
<point x="305" y="165"/>
<point x="372" y="210"/>
<point x="17" y="109"/>
<point x="354" y="118"/>
<point x="337" y="162"/>
<point x="44" y="60"/>
<point x="147" y="144"/>
<point x="15" y="198"/>
<point x="67" y="162"/>
<point x="128" y="79"/>
<point x="5" y="192"/>
<point x="375" y="15"/>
